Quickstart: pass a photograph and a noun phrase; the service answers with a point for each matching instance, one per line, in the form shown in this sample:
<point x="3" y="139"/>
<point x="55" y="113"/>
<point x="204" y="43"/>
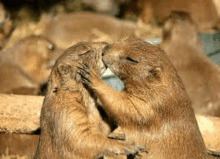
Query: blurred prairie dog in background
<point x="5" y="25"/>
<point x="35" y="55"/>
<point x="68" y="29"/>
<point x="200" y="75"/>
<point x="210" y="129"/>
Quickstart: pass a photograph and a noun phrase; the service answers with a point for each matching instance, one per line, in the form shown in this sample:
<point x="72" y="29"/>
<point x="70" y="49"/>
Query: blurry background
<point x="144" y="12"/>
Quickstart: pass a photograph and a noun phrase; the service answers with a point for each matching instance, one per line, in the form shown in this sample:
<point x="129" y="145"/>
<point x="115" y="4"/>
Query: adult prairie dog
<point x="154" y="109"/>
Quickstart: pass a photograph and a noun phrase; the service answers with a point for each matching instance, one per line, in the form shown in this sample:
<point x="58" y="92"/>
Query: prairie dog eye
<point x="132" y="60"/>
<point x="51" y="47"/>
<point x="85" y="52"/>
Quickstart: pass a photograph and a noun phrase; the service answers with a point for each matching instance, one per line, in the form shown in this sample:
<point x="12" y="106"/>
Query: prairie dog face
<point x="66" y="67"/>
<point x="138" y="62"/>
<point x="39" y="55"/>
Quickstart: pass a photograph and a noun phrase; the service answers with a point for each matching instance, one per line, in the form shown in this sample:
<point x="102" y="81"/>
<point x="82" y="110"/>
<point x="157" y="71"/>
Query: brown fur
<point x="5" y="25"/>
<point x="200" y="75"/>
<point x="154" y="109"/>
<point x="24" y="29"/>
<point x="71" y="125"/>
<point x="204" y="12"/>
<point x="68" y="29"/>
<point x="35" y="55"/>
<point x="14" y="79"/>
<point x="22" y="145"/>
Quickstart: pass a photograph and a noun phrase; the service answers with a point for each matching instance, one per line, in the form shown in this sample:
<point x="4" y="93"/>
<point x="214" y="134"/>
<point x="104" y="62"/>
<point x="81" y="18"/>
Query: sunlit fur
<point x="26" y="65"/>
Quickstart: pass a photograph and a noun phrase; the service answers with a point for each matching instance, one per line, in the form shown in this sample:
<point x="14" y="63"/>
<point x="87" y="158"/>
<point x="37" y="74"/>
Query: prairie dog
<point x="154" y="109"/>
<point x="35" y="55"/>
<point x="200" y="75"/>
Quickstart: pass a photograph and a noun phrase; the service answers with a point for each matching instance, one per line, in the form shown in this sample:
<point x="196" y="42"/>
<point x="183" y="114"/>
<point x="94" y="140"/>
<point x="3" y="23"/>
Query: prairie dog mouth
<point x="110" y="78"/>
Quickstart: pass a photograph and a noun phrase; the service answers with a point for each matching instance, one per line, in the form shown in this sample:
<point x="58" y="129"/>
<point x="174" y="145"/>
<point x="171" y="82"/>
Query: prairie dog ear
<point x="155" y="73"/>
<point x="64" y="69"/>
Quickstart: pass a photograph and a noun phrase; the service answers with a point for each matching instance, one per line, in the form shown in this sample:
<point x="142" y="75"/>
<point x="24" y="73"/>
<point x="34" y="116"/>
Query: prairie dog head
<point x="36" y="55"/>
<point x="65" y="70"/>
<point x="138" y="64"/>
